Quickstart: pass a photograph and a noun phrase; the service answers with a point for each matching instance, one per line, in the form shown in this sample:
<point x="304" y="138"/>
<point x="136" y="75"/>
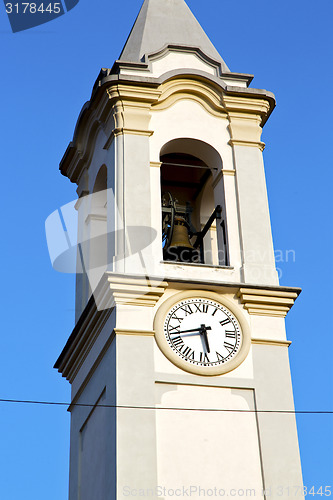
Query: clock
<point x="202" y="333"/>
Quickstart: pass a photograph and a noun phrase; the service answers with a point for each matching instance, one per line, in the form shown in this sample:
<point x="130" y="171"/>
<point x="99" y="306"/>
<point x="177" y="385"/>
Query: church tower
<point x="178" y="362"/>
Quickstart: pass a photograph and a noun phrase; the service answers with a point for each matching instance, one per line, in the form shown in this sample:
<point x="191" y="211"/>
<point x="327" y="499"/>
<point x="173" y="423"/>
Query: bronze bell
<point x="180" y="248"/>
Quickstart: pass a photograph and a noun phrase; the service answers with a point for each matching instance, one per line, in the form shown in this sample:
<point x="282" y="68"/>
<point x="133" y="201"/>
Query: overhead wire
<point x="165" y="408"/>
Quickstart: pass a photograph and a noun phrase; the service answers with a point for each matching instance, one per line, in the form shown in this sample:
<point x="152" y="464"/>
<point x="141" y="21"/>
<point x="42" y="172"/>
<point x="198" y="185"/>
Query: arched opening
<point x="191" y="211"/>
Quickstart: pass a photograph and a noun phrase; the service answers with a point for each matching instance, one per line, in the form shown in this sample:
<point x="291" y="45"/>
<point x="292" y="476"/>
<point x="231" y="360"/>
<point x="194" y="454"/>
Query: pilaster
<point x="246" y="117"/>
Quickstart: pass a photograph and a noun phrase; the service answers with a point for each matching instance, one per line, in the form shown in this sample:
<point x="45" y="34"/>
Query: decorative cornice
<point x="267" y="302"/>
<point x="278" y="343"/>
<point x="127" y="92"/>
<point x="239" y="103"/>
<point x="81" y="341"/>
<point x="123" y="103"/>
<point x="133" y="131"/>
<point x="113" y="290"/>
<point x="94" y="217"/>
<point x="255" y="144"/>
<point x="140" y="333"/>
<point x="135" y="291"/>
<point x="207" y="94"/>
<point x="228" y="172"/>
<point x="156" y="164"/>
<point x="122" y="131"/>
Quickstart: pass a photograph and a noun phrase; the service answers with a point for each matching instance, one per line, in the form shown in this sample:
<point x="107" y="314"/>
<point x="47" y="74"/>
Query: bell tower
<point x="178" y="361"/>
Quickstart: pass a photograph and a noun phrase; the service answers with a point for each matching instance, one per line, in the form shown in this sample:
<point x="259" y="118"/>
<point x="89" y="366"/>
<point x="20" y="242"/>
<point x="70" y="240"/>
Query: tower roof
<point x="166" y="22"/>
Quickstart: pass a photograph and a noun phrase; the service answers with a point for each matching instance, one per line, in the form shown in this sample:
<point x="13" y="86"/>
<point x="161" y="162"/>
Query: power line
<point x="166" y="408"/>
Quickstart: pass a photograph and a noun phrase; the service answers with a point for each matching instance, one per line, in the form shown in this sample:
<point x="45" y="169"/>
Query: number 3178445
<point x="33" y="8"/>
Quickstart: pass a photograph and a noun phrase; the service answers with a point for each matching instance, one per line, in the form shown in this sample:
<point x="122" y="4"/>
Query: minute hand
<point x="195" y="330"/>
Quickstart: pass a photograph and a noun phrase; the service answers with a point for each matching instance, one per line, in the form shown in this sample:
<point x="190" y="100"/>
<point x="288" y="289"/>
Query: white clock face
<point x="203" y="333"/>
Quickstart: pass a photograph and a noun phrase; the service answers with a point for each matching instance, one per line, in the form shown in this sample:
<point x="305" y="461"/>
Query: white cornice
<point x="267" y="302"/>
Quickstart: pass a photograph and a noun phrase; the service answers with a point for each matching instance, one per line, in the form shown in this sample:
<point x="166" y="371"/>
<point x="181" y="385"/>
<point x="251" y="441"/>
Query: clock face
<point x="202" y="332"/>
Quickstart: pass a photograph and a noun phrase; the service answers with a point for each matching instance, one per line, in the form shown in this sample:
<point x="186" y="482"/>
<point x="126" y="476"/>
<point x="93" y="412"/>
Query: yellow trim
<point x="239" y="104"/>
<point x="208" y="106"/>
<point x="189" y="88"/>
<point x="142" y="333"/>
<point x="255" y="144"/>
<point x="132" y="131"/>
<point x="279" y="343"/>
<point x="156" y="164"/>
<point x="228" y="172"/>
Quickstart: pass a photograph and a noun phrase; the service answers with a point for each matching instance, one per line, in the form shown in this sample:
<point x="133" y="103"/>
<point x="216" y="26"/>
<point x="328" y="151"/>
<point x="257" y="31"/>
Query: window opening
<point x="183" y="180"/>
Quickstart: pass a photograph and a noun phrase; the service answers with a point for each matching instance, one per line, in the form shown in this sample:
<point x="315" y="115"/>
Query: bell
<point x="180" y="248"/>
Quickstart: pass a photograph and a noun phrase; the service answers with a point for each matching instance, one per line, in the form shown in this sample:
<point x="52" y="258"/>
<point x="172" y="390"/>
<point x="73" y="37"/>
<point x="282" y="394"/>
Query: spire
<point x="166" y="22"/>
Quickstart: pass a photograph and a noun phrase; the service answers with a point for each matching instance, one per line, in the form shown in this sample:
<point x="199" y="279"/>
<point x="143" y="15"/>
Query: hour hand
<point x="195" y="329"/>
<point x="203" y="332"/>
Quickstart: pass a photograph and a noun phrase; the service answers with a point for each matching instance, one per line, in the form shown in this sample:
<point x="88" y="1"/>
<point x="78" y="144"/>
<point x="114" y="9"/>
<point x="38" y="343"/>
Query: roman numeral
<point x="219" y="357"/>
<point x="201" y="307"/>
<point x="204" y="358"/>
<point x="216" y="309"/>
<point x="187" y="309"/>
<point x="173" y="329"/>
<point x="225" y="322"/>
<point x="230" y="335"/>
<point x="178" y="342"/>
<point x="176" y="318"/>
<point x="229" y="347"/>
<point x="188" y="353"/>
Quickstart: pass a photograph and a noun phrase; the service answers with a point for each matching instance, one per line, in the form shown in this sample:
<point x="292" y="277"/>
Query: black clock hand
<point x="195" y="329"/>
<point x="203" y="332"/>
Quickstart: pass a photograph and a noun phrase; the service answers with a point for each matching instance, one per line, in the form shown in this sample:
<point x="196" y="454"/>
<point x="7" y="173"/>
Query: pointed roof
<point x="166" y="22"/>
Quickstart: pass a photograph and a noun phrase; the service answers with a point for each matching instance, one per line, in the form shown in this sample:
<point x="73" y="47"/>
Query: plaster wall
<point x="278" y="431"/>
<point x="136" y="235"/>
<point x="203" y="448"/>
<point x="88" y="364"/>
<point x="180" y="60"/>
<point x="93" y="454"/>
<point x="93" y="436"/>
<point x="136" y="434"/>
<point x="254" y="220"/>
<point x="187" y="118"/>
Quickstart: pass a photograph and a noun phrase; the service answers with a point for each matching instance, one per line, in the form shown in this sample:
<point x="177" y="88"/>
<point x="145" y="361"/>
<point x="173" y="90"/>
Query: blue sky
<point x="47" y="74"/>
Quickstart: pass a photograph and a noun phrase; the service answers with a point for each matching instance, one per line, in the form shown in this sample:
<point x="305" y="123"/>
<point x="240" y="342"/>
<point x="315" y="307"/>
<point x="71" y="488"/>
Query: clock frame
<point x="215" y="364"/>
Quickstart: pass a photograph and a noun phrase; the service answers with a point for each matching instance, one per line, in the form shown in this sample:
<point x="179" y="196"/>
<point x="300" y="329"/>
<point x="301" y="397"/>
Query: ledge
<point x="267" y="302"/>
<point x="136" y="291"/>
<point x="195" y="264"/>
<point x="278" y="343"/>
